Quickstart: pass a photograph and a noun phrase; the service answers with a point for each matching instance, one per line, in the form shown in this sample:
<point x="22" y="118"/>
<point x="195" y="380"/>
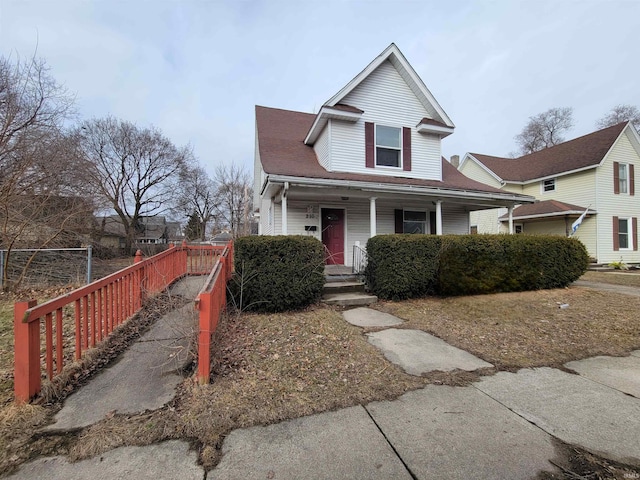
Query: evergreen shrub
<point x="277" y="273"/>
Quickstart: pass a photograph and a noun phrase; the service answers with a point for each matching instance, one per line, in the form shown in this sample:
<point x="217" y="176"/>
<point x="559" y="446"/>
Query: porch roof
<point x="545" y="209"/>
<point x="281" y="135"/>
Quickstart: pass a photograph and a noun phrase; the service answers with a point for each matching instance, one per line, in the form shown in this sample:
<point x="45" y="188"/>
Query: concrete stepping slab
<point x="164" y="460"/>
<point x="368" y="317"/>
<point x="417" y="352"/>
<point x="460" y="433"/>
<point x="341" y="444"/>
<point x="636" y="353"/>
<point x="188" y="287"/>
<point x="621" y="373"/>
<point x="572" y="408"/>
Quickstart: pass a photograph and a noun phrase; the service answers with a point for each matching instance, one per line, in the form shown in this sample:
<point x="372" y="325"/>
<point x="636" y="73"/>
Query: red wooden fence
<point x="211" y="300"/>
<point x="98" y="308"/>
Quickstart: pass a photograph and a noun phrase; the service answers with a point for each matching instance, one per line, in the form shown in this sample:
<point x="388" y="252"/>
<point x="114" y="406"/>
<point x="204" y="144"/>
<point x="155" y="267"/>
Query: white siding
<point x="386" y="99"/>
<point x="322" y="147"/>
<point x="455" y="220"/>
<point x="487" y="220"/>
<point x="610" y="204"/>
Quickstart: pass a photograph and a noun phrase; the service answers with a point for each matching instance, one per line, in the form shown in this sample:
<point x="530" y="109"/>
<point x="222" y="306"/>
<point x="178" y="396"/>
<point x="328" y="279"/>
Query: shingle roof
<point x="431" y="121"/>
<point x="582" y="152"/>
<point x="281" y="135"/>
<point x="545" y="208"/>
<point x="347" y="108"/>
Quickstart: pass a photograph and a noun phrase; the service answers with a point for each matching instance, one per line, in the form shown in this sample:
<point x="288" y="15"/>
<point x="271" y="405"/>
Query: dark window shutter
<point x="432" y="222"/>
<point x="369" y="145"/>
<point x="406" y="149"/>
<point x="632" y="180"/>
<point x="616" y="234"/>
<point x="616" y="177"/>
<point x="399" y="215"/>
<point x="634" y="235"/>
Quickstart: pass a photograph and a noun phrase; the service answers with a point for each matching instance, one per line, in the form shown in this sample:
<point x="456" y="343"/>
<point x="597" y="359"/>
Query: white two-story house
<point x="594" y="173"/>
<point x="368" y="163"/>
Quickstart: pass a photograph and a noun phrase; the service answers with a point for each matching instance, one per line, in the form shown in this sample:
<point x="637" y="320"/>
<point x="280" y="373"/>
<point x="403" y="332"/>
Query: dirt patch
<point x="629" y="278"/>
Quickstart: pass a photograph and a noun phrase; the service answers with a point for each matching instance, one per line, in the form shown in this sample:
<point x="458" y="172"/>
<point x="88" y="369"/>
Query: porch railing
<point x="93" y="312"/>
<point x="359" y="259"/>
<point x="211" y="301"/>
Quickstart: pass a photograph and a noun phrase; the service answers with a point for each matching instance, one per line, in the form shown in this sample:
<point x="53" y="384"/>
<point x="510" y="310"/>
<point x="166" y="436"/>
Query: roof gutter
<point x="406" y="189"/>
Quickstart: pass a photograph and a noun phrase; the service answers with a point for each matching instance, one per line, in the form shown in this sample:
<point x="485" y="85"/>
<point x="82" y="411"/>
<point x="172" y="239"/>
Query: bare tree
<point x="135" y="170"/>
<point x="41" y="202"/>
<point x="233" y="199"/>
<point x="619" y="114"/>
<point x="545" y="130"/>
<point x="196" y="198"/>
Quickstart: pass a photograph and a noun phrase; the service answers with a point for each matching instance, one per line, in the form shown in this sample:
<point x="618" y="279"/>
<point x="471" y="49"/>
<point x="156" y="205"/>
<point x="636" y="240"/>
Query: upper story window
<point x="623" y="178"/>
<point x="388" y="146"/>
<point x="549" y="185"/>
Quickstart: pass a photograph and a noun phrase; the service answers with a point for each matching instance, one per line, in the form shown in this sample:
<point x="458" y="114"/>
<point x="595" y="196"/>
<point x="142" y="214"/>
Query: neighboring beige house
<point x="369" y="162"/>
<point x="594" y="172"/>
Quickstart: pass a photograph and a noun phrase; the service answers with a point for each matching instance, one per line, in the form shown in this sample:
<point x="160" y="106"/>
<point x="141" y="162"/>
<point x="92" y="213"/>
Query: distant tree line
<point x="55" y="177"/>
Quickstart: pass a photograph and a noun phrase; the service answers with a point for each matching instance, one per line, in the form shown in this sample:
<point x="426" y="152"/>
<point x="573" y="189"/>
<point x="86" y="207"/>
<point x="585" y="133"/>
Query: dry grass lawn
<point x="269" y="368"/>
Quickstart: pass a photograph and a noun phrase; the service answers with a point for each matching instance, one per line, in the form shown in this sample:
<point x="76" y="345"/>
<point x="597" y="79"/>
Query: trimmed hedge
<point x="400" y="267"/>
<point x="277" y="273"/>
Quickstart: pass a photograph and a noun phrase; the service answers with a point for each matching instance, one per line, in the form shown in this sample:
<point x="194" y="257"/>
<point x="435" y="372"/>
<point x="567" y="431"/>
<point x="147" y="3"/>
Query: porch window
<point x="388" y="146"/>
<point x="414" y="222"/>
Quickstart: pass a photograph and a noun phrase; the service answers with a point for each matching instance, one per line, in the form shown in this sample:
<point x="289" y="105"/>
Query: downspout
<point x="283" y="196"/>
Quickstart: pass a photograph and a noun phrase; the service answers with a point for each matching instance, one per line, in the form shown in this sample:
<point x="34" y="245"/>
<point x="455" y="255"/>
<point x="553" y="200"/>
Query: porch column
<point x="511" y="219"/>
<point x="372" y="217"/>
<point x="284" y="213"/>
<point x="439" y="217"/>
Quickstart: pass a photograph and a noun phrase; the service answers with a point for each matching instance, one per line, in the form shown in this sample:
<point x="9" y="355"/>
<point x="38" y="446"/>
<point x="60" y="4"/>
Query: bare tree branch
<point x="619" y="114"/>
<point x="545" y="130"/>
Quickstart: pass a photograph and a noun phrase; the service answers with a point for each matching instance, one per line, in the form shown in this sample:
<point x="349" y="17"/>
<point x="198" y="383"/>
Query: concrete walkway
<point x="607" y="287"/>
<point x="502" y="426"/>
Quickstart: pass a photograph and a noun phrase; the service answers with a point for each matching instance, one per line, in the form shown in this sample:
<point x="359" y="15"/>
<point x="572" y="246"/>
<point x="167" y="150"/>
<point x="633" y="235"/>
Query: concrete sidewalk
<point x="502" y="426"/>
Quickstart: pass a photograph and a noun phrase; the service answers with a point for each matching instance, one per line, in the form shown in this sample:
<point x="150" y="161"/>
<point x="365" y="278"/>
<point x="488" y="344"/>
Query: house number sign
<point x="310" y="212"/>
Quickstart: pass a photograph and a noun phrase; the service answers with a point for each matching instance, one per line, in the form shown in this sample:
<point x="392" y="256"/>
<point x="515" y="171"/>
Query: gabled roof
<point x="546" y="208"/>
<point x="282" y="151"/>
<point x="578" y="154"/>
<point x="393" y="54"/>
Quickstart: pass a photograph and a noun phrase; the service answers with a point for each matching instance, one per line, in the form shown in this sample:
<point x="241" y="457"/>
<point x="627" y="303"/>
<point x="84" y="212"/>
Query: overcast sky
<point x="197" y="68"/>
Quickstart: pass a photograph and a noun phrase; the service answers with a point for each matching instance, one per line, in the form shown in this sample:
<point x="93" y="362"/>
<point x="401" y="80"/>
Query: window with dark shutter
<point x="616" y="234"/>
<point x="632" y="180"/>
<point x="616" y="178"/>
<point x="370" y="146"/>
<point x="406" y="149"/>
<point x="399" y="221"/>
<point x="634" y="232"/>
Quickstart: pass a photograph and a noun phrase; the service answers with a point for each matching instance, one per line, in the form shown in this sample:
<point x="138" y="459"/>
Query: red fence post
<point x="27" y="353"/>
<point x="204" y="337"/>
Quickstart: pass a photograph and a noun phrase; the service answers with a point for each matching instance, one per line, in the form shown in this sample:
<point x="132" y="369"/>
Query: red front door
<point x="333" y="235"/>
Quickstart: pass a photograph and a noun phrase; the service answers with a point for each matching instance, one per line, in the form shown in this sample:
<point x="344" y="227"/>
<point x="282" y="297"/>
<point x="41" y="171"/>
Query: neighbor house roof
<point x="281" y="135"/>
<point x="546" y="208"/>
<point x="577" y="154"/>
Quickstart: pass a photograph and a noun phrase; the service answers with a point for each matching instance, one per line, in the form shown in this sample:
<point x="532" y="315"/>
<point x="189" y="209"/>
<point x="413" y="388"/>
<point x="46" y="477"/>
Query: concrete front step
<point x="343" y="287"/>
<point x="349" y="299"/>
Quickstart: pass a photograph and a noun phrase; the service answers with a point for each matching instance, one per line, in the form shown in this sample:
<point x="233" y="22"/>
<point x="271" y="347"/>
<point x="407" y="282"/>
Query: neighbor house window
<point x="517" y="228"/>
<point x="414" y="222"/>
<point x="623" y="177"/>
<point x="388" y="146"/>
<point x="624" y="229"/>
<point x="549" y="185"/>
